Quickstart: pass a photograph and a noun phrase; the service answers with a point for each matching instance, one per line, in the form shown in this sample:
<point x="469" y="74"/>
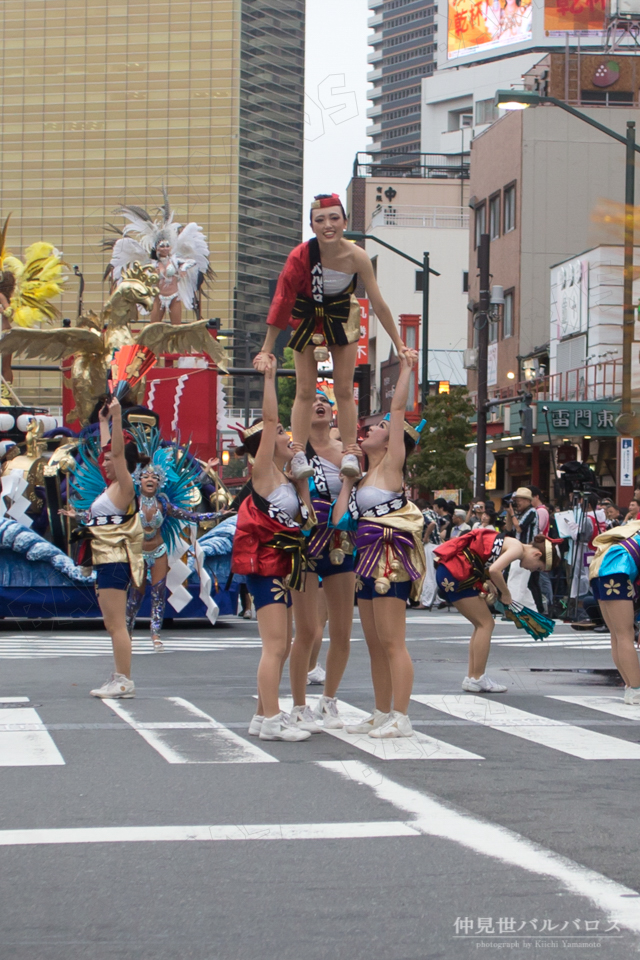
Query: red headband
<point x="332" y="201"/>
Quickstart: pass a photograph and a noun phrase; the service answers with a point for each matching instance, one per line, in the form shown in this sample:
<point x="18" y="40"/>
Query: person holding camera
<point x="521" y="523"/>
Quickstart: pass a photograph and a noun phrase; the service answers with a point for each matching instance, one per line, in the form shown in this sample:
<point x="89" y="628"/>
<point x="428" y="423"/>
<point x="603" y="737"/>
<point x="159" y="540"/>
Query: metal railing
<point x="600" y="381"/>
<point x="389" y="163"/>
<point x="453" y="218"/>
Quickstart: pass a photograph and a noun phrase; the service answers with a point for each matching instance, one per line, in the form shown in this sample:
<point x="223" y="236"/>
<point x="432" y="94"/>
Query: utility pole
<point x="628" y="318"/>
<point x="482" y="319"/>
<point x="425" y="328"/>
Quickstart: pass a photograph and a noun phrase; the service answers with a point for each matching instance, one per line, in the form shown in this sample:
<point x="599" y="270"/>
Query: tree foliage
<point x="286" y="390"/>
<point x="439" y="462"/>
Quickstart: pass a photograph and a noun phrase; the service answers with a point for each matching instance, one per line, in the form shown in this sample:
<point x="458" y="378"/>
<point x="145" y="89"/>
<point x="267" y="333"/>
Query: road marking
<point x="418" y="747"/>
<point x="612" y="705"/>
<point x="556" y="734"/>
<point x="25" y="648"/>
<point x="188" y="741"/>
<point x="277" y="831"/>
<point x="26" y="748"/>
<point x="435" y="819"/>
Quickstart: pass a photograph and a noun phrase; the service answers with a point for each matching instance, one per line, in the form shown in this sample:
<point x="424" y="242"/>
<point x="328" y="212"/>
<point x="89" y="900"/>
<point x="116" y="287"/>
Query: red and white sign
<point x="363" y="342"/>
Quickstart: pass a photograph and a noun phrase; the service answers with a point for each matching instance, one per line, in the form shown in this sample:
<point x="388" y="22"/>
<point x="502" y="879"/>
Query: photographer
<point x="522" y="523"/>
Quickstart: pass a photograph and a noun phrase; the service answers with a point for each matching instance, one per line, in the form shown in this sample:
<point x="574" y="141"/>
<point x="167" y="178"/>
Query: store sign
<point x="363" y="342"/>
<point x="573" y="16"/>
<point x="476" y="27"/>
<point x="595" y="418"/>
<point x="626" y="462"/>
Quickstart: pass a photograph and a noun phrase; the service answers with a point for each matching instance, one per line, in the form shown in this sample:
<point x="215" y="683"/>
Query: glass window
<point x="509" y="208"/>
<point x="465" y="281"/>
<point x="481" y="222"/>
<point x="494" y="217"/>
<point x="486" y="111"/>
<point x="507" y="317"/>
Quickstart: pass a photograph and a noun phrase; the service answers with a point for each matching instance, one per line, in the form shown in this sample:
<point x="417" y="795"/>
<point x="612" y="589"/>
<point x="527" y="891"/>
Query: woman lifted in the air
<point x="315" y="295"/>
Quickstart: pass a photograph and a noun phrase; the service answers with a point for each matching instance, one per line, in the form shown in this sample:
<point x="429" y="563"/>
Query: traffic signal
<point x="526" y="421"/>
<point x="225" y="458"/>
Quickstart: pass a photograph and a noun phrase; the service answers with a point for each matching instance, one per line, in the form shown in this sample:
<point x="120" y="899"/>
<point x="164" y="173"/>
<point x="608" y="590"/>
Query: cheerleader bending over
<point x="390" y="562"/>
<point x="269" y="547"/>
<point x="464" y="565"/>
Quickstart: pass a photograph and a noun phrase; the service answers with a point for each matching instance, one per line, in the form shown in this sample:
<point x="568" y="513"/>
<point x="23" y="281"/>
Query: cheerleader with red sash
<point x="315" y="295"/>
<point x="469" y="570"/>
<point x="270" y="548"/>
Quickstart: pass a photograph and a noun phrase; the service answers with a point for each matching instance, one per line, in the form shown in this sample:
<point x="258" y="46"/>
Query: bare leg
<point x="340" y="590"/>
<point x="306" y="378"/>
<point x="274" y="622"/>
<point x="113" y="604"/>
<point x="476" y="611"/>
<point x="618" y="616"/>
<point x="390" y="619"/>
<point x="344" y="364"/>
<point x="175" y="311"/>
<point x="305" y="610"/>
<point x="322" y="619"/>
<point x="380" y="674"/>
<point x="157" y="311"/>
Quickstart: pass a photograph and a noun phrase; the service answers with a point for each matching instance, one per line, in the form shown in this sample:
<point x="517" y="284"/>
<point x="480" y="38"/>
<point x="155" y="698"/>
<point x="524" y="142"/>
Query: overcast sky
<point x="336" y="100"/>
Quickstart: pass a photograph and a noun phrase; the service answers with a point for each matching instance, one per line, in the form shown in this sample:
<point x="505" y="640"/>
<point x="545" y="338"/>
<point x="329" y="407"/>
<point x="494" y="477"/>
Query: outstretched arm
<point x="396" y="448"/>
<point x="123" y="476"/>
<point x="378" y="304"/>
<point x="264" y="457"/>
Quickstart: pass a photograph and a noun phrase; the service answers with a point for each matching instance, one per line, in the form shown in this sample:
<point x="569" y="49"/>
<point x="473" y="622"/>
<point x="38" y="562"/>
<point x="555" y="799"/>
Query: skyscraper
<point x="102" y="103"/>
<point x="404" y="51"/>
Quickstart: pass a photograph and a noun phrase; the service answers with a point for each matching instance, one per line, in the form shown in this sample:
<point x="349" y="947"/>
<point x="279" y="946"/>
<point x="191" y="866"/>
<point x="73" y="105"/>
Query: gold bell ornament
<point x="320" y="354"/>
<point x="382" y="585"/>
<point x="394" y="576"/>
<point x="336" y="556"/>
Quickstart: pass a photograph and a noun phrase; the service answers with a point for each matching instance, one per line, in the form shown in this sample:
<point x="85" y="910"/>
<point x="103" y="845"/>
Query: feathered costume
<point x="38" y="280"/>
<point x="178" y="475"/>
<point x="115" y="539"/>
<point x="139" y="239"/>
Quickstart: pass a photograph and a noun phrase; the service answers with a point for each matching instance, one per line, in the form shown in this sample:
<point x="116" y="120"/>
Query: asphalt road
<point x="155" y="829"/>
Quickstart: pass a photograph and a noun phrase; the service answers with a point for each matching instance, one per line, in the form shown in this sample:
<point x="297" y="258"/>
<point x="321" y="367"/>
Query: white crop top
<point x="285" y="498"/>
<point x="334" y="281"/>
<point x="367" y="497"/>
<point x="332" y="476"/>
<point x="103" y="506"/>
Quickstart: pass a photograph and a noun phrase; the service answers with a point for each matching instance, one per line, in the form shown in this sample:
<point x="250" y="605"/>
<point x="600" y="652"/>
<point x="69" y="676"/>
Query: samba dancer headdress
<point x="139" y="238"/>
<point x="38" y="280"/>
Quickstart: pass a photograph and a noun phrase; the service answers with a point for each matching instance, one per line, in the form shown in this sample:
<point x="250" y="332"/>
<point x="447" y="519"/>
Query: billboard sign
<point x="476" y="26"/>
<point x="573" y="16"/>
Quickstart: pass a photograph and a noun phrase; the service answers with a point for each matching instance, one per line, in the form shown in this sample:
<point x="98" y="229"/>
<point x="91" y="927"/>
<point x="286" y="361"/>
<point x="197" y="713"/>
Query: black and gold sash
<point x="337" y="317"/>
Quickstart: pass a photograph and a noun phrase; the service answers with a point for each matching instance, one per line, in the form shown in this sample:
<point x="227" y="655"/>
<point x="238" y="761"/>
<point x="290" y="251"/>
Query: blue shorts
<point x="266" y="590"/>
<point x="614" y="586"/>
<point x="112" y="576"/>
<point x="365" y="589"/>
<point x="323" y="567"/>
<point x="448" y="587"/>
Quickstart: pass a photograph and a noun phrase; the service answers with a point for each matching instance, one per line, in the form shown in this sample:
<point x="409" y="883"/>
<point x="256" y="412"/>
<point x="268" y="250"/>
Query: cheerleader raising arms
<point x="315" y="295"/>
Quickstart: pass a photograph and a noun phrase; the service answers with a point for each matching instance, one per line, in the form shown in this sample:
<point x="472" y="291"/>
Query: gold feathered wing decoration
<point x="52" y="344"/>
<point x="183" y="338"/>
<point x="38" y="280"/>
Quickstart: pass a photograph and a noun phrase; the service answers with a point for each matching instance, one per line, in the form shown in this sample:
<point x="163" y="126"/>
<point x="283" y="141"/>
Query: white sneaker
<point x="376" y="720"/>
<point x="397" y="725"/>
<point x="302" y="719"/>
<point x="300" y="466"/>
<point x="277" y="728"/>
<point x="256" y="725"/>
<point x="349" y="466"/>
<point x="317" y="675"/>
<point x="327" y="713"/>
<point x="483" y="685"/>
<point x="632" y="696"/>
<point x="118" y="687"/>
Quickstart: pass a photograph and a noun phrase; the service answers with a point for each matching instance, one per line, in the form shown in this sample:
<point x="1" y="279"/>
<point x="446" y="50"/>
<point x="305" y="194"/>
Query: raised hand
<point x="261" y="361"/>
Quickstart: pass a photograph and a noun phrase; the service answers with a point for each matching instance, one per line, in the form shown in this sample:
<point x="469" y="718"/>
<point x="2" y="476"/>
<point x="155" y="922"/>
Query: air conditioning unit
<point x="471" y="359"/>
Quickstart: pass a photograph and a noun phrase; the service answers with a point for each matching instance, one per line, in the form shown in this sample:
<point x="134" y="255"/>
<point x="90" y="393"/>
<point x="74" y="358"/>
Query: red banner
<point x="363" y="342"/>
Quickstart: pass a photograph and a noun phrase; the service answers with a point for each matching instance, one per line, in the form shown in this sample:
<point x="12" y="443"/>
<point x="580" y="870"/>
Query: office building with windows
<point x="404" y="52"/>
<point x="103" y="103"/>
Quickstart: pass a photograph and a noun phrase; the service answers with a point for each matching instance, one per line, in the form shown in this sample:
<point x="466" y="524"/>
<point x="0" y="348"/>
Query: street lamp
<point x="426" y="270"/>
<point x="520" y="100"/>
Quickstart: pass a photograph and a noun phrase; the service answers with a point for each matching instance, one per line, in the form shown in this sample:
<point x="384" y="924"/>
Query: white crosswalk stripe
<point x="418" y="747"/>
<point x="555" y="640"/>
<point x="24" y="646"/>
<point x="556" y="734"/>
<point x="32" y="747"/>
<point x="612" y="705"/>
<point x="179" y="738"/>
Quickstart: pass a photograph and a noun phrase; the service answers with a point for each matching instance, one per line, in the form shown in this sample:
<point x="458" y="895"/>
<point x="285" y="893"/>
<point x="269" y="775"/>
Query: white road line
<point x="277" y="831"/>
<point x="418" y="747"/>
<point x="435" y="819"/>
<point x="612" y="705"/>
<point x="209" y="742"/>
<point x="576" y="741"/>
<point x="26" y="748"/>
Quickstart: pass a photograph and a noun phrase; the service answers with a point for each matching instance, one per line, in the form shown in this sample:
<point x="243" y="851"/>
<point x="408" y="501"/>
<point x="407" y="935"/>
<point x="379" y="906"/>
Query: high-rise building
<point x="404" y="52"/>
<point x="102" y="103"/>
